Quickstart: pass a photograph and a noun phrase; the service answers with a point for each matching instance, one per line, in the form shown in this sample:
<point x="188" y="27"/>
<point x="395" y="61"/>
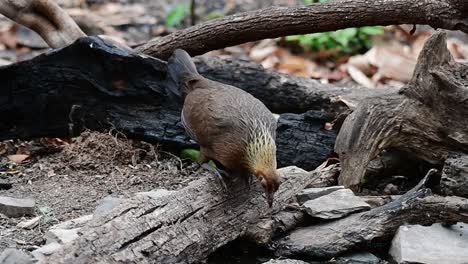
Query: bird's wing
<point x="204" y="117"/>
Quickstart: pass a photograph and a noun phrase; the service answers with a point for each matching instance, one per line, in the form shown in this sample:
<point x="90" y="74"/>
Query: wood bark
<point x="45" y="17"/>
<point x="426" y="120"/>
<point x="183" y="227"/>
<point x="96" y="85"/>
<point x="264" y="231"/>
<point x="283" y="21"/>
<point x="375" y="228"/>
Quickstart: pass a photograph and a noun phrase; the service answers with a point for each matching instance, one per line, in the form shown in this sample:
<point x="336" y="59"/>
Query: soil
<point x="69" y="183"/>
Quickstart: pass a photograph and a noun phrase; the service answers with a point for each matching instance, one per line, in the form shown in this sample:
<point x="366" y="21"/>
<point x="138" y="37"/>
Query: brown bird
<point x="233" y="128"/>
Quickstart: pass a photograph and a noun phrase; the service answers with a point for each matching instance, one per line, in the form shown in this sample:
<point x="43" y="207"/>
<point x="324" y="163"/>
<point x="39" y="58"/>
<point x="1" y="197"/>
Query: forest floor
<point x="68" y="178"/>
<point x="70" y="183"/>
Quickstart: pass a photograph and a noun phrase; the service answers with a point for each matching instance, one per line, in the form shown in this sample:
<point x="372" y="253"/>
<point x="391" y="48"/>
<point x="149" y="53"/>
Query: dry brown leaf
<point x="358" y="76"/>
<point x="8" y="36"/>
<point x="392" y="61"/>
<point x="18" y="158"/>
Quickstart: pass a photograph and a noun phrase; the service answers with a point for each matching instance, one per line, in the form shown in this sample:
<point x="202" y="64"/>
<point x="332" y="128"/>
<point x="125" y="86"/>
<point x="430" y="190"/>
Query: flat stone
<point x="431" y="244"/>
<point x="285" y="261"/>
<point x="314" y="193"/>
<point x="106" y="205"/>
<point x="359" y="258"/>
<point x="61" y="236"/>
<point x="157" y="193"/>
<point x="46" y="250"/>
<point x="335" y="205"/>
<point x="13" y="207"/>
<point x="454" y="179"/>
<point x="15" y="256"/>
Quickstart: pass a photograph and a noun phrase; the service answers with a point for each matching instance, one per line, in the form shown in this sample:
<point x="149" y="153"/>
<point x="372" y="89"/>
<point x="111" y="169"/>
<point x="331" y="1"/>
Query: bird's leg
<point x="248" y="179"/>
<point x="217" y="172"/>
<point x="203" y="160"/>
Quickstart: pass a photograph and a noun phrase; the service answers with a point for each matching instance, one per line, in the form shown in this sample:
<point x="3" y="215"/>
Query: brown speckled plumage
<point x="231" y="126"/>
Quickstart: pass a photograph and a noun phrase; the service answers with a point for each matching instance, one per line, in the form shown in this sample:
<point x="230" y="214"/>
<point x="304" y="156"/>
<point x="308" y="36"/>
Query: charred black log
<point x="97" y="85"/>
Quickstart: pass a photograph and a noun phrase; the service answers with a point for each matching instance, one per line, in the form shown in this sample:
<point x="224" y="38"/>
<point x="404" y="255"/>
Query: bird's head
<point x="270" y="182"/>
<point x="261" y="160"/>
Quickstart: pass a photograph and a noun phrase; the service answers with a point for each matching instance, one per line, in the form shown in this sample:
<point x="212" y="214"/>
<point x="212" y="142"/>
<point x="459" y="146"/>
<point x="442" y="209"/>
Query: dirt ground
<point x="69" y="183"/>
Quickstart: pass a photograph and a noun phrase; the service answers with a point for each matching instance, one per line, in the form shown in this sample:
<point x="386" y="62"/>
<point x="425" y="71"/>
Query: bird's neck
<point x="261" y="153"/>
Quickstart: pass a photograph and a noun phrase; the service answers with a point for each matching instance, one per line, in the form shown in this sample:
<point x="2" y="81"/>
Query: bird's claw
<point x="218" y="172"/>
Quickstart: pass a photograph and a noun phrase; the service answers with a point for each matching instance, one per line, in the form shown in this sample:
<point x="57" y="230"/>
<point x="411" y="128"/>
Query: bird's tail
<point x="181" y="69"/>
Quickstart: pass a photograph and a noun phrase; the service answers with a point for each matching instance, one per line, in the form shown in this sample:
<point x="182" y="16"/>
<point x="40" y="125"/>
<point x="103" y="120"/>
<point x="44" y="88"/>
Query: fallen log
<point x="96" y="85"/>
<point x="374" y="229"/>
<point x="426" y="120"/>
<point x="182" y="227"/>
<point x="264" y="231"/>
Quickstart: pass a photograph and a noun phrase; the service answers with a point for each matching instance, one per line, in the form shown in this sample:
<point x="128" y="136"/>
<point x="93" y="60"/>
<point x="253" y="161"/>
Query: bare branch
<point x="45" y="17"/>
<point x="282" y="21"/>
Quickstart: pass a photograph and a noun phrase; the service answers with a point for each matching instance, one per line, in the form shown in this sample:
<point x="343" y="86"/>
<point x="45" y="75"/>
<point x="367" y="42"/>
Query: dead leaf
<point x="392" y="61"/>
<point x="29" y="224"/>
<point x="18" y="158"/>
<point x="358" y="76"/>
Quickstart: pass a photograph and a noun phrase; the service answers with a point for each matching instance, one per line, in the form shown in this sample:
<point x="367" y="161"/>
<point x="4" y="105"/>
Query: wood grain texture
<point x="184" y="227"/>
<point x="426" y="119"/>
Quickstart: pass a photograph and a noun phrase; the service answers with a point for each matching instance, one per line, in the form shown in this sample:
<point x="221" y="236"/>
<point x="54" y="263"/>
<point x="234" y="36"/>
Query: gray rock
<point x="157" y="193"/>
<point x="454" y="179"/>
<point x="61" y="236"/>
<point x="359" y="258"/>
<point x="335" y="205"/>
<point x="285" y="261"/>
<point x="314" y="193"/>
<point x="5" y="184"/>
<point x="15" y="256"/>
<point x="106" y="205"/>
<point x="431" y="244"/>
<point x="13" y="207"/>
<point x="74" y="223"/>
<point x="46" y="250"/>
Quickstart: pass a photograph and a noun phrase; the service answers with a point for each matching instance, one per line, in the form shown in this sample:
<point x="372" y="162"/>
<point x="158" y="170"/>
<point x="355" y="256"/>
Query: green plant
<point x="213" y="15"/>
<point x="177" y="14"/>
<point x="349" y="40"/>
<point x="194" y="155"/>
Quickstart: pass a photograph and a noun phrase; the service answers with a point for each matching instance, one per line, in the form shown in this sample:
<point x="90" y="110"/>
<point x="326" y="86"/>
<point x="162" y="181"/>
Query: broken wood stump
<point x="426" y="120"/>
<point x="374" y="229"/>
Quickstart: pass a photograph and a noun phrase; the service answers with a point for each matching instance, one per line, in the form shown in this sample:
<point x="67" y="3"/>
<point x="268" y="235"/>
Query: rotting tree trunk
<point x="427" y="119"/>
<point x="183" y="227"/>
<point x="93" y="84"/>
<point x="376" y="227"/>
<point x="283" y="21"/>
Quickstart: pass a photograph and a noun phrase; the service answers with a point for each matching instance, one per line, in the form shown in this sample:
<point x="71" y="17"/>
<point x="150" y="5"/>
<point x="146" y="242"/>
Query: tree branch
<point x="280" y="21"/>
<point x="46" y="18"/>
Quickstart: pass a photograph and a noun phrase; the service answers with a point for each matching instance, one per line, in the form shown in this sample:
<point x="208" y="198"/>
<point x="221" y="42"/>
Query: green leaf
<point x="194" y="155"/>
<point x="372" y="30"/>
<point x="177" y="14"/>
<point x="213" y="15"/>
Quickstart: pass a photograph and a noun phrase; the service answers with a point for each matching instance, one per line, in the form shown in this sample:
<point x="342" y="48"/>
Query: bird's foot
<point x="218" y="172"/>
<point x="248" y="181"/>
